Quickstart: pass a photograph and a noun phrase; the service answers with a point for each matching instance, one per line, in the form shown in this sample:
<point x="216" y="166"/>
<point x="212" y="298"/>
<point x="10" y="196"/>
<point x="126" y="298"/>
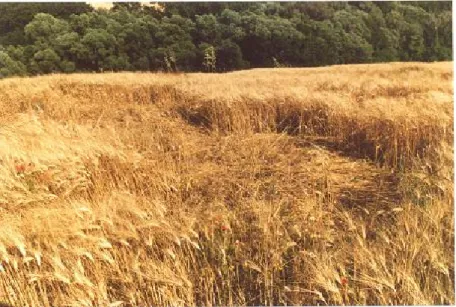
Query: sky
<point x="108" y="5"/>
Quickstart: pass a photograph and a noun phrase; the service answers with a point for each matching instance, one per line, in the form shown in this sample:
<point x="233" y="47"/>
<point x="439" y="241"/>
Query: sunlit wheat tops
<point x="325" y="186"/>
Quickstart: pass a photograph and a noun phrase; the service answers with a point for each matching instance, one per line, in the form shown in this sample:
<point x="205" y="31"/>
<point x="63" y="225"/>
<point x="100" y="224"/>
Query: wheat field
<point x="309" y="186"/>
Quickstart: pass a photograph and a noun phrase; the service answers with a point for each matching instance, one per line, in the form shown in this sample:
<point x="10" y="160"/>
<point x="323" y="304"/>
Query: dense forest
<point x="40" y="38"/>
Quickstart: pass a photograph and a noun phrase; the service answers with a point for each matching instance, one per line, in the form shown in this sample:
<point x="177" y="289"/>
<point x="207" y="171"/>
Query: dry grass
<point x="264" y="187"/>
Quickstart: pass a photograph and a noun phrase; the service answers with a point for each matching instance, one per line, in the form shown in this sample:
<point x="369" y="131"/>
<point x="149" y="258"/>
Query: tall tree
<point x="15" y="16"/>
<point x="52" y="37"/>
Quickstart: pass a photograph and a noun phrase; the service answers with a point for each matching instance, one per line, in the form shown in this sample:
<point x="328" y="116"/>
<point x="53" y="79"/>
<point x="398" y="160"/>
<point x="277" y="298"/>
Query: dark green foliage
<point x="67" y="37"/>
<point x="45" y="61"/>
<point x="15" y="16"/>
<point x="229" y="56"/>
<point x="9" y="66"/>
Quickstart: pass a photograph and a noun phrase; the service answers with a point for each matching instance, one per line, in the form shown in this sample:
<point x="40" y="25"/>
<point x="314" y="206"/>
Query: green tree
<point x="384" y="41"/>
<point x="174" y="36"/>
<point x="229" y="56"/>
<point x="230" y="26"/>
<point x="45" y="61"/>
<point x="98" y="45"/>
<point x="355" y="36"/>
<point x="206" y="29"/>
<point x="196" y="8"/>
<point x="135" y="38"/>
<point x="9" y="66"/>
<point x="17" y="53"/>
<point x="407" y="22"/>
<point x="44" y="28"/>
<point x="132" y="36"/>
<point x="15" y="16"/>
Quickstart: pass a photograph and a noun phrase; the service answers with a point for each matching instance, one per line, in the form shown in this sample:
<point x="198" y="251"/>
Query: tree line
<point x="40" y="38"/>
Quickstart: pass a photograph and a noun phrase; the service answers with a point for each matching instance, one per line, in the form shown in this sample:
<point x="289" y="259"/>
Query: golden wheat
<point x="265" y="187"/>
